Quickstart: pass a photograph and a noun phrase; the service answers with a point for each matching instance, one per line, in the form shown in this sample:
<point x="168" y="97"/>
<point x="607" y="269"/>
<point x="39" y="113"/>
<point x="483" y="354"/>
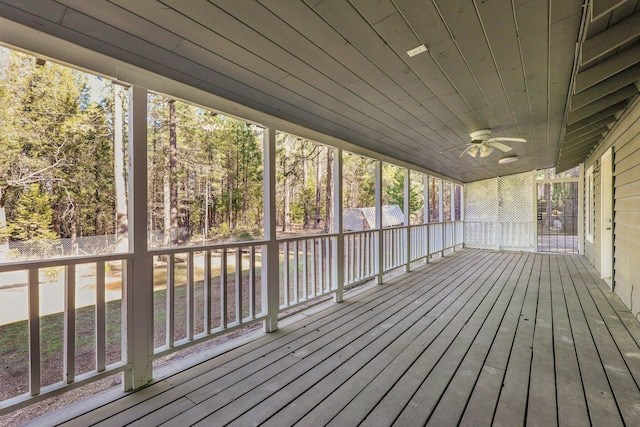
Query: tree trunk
<point x="122" y="223"/>
<point x="305" y="177"/>
<point x="286" y="214"/>
<point x="318" y="191"/>
<point x="173" y="147"/>
<point x="166" y="190"/>
<point x="328" y="223"/>
<point x="4" y="242"/>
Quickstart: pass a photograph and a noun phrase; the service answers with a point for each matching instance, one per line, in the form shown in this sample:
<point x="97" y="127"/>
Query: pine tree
<point x="32" y="219"/>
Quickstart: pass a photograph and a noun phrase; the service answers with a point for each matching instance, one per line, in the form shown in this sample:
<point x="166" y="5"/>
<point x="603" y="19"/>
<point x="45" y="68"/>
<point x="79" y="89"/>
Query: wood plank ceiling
<point x="341" y="66"/>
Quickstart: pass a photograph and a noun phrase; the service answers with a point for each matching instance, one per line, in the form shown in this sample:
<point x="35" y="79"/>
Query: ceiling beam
<point x="597" y="117"/>
<point x="607" y="68"/>
<point x="604" y="88"/>
<point x="611" y="38"/>
<point x="567" y="164"/>
<point x="580" y="147"/>
<point x="580" y="152"/>
<point x="601" y="104"/>
<point x="593" y="126"/>
<point x="599" y="8"/>
<point x="578" y="139"/>
<point x="580" y="155"/>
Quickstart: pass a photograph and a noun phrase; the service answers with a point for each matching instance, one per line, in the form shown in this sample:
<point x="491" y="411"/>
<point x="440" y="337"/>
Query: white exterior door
<point x="606" y="242"/>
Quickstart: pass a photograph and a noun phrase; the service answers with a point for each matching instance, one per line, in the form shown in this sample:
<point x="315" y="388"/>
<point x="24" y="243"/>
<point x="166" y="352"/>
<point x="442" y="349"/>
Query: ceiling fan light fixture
<point x="485" y="150"/>
<point x="508" y="159"/>
<point x="473" y="151"/>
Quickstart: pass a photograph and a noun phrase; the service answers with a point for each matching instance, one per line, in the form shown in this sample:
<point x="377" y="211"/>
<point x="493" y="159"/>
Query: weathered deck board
<point x="482" y="403"/>
<point x="572" y="408"/>
<point x="512" y="403"/>
<point x="477" y="338"/>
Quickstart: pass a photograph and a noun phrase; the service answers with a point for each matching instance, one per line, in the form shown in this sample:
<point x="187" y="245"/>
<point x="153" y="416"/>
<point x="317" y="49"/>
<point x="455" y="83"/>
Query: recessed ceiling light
<point x="416" y="50"/>
<point x="508" y="159"/>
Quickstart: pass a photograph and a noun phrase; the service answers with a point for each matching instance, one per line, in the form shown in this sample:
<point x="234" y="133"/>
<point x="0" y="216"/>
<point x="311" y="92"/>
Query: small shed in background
<point x="360" y="219"/>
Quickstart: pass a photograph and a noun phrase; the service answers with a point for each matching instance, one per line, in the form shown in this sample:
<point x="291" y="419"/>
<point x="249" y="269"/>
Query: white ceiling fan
<point x="482" y="143"/>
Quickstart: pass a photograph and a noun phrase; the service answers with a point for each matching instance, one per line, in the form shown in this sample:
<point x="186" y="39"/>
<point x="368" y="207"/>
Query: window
<point x="435" y="184"/>
<point x="304" y="189"/>
<point x="416" y="197"/>
<point x="588" y="210"/>
<point x="446" y="201"/>
<point x="358" y="193"/>
<point x="205" y="176"/>
<point x="458" y="203"/>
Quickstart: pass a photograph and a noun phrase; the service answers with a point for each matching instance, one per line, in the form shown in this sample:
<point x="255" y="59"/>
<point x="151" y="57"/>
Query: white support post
<point x="338" y="253"/>
<point x="380" y="246"/>
<point x="452" y="213"/>
<point x="138" y="337"/>
<point x="426" y="214"/>
<point x="581" y="225"/>
<point x="462" y="211"/>
<point x="270" y="261"/>
<point x="441" y="214"/>
<point x="407" y="215"/>
<point x="534" y="196"/>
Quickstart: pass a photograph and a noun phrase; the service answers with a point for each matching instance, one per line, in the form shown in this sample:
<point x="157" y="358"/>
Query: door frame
<point x="606" y="217"/>
<point x="579" y="218"/>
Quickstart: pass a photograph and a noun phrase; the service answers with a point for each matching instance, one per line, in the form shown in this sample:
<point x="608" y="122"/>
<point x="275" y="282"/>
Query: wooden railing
<point x="62" y="343"/>
<point x="394" y="247"/>
<point x="507" y="235"/>
<point x="307" y="270"/>
<point x="200" y="292"/>
<point x="360" y="260"/>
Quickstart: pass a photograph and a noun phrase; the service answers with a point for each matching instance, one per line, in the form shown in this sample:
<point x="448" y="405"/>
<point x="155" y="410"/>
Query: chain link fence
<point x="44" y="249"/>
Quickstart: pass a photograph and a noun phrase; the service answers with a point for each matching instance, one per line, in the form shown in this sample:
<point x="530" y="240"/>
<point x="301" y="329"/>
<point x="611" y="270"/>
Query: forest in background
<point x="63" y="169"/>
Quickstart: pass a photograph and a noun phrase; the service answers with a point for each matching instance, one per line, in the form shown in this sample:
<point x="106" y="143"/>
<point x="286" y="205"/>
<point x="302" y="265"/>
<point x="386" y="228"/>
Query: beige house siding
<point x="625" y="140"/>
<point x="592" y="251"/>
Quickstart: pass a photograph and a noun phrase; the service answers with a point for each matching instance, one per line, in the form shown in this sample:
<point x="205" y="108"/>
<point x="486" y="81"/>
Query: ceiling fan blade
<point x="507" y="139"/>
<point x="500" y="146"/>
<point x="451" y="148"/>
<point x="485" y="150"/>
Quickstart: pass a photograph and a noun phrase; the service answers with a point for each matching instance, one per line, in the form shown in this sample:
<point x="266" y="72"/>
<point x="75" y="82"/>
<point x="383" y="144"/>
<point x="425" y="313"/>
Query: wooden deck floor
<point x="478" y="338"/>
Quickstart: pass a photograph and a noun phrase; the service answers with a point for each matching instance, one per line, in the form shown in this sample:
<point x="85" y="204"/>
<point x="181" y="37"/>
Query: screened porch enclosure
<point x="118" y="310"/>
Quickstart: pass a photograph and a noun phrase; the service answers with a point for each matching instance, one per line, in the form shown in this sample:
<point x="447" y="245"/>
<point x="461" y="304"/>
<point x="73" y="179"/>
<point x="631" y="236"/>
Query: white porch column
<point x="426" y="213"/>
<point x="407" y="215"/>
<point x="452" y="213"/>
<point x="270" y="256"/>
<point x="338" y="253"/>
<point x="380" y="257"/>
<point x="462" y="212"/>
<point x="581" y="225"/>
<point x="441" y="214"/>
<point x="137" y="337"/>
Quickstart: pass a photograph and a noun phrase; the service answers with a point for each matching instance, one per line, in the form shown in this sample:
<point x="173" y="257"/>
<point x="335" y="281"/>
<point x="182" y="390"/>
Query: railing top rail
<point x="62" y="261"/>
<point x="354" y="232"/>
<point x="306" y="237"/>
<point x="202" y="248"/>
